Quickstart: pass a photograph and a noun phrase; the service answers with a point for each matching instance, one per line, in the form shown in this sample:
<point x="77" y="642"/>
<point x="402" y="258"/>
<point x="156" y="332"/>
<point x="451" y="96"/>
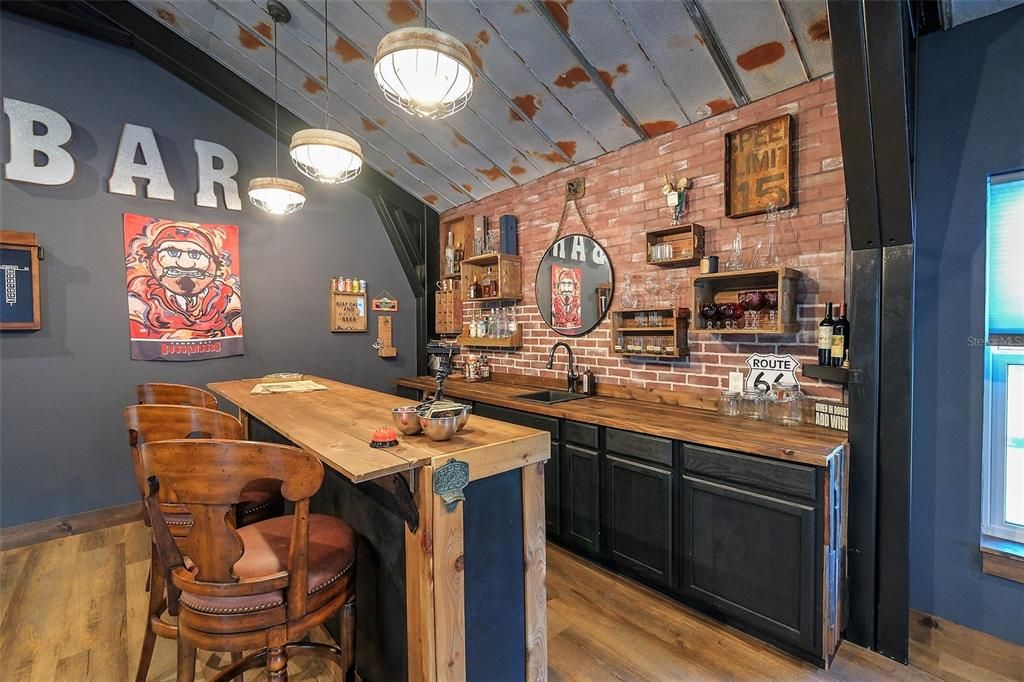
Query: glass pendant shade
<point x="279" y="196"/>
<point x="425" y="72"/>
<point x="326" y="156"/>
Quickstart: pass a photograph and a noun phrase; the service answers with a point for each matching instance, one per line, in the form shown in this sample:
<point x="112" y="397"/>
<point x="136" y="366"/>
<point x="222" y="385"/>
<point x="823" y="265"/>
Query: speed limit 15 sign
<point x="763" y="370"/>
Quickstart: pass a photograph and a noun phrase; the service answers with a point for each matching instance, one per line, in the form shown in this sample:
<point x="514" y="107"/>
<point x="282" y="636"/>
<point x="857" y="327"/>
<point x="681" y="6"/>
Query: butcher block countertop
<point x="806" y="444"/>
<point x="336" y="426"/>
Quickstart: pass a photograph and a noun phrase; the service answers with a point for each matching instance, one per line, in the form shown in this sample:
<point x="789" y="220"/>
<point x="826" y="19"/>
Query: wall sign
<point x="763" y="370"/>
<point x="758" y="167"/>
<point x="19" y="262"/>
<point x="36" y="131"/>
<point x="184" y="289"/>
<point x="385" y="302"/>
<point x="832" y="416"/>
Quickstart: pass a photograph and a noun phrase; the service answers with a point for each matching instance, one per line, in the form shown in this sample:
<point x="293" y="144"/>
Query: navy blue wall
<point x="970" y="124"/>
<point x="63" y="447"/>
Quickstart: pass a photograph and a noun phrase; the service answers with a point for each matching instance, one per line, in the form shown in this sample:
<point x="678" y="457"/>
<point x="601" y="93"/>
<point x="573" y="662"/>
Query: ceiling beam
<point x="789" y="27"/>
<point x="718" y="54"/>
<point x="590" y="69"/>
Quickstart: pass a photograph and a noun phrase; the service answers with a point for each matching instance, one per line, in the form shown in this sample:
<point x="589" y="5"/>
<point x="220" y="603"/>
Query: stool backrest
<point x="149" y="423"/>
<point x="175" y="394"/>
<point x="207" y="476"/>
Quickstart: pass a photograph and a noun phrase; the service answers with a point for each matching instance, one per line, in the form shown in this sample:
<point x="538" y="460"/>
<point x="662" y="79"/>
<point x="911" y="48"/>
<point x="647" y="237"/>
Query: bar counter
<point x="472" y="576"/>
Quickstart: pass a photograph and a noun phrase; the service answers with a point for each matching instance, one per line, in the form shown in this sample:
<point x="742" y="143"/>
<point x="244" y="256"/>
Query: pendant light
<point x="322" y="154"/>
<point x="424" y="71"/>
<point x="276" y="195"/>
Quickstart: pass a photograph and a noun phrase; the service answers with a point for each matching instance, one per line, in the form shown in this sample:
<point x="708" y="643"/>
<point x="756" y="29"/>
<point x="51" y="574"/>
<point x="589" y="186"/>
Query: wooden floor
<point x="72" y="609"/>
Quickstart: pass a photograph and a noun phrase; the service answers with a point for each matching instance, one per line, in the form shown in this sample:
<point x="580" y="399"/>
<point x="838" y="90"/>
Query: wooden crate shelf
<point x="514" y="342"/>
<point x="688" y="237"/>
<point x="725" y="287"/>
<point x="673" y="337"/>
<point x="835" y="375"/>
<point x="508" y="270"/>
<point x="461" y="229"/>
<point x="448" y="311"/>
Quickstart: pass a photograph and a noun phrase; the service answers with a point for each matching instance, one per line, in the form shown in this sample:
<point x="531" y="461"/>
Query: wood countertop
<point x="336" y="425"/>
<point x="806" y="444"/>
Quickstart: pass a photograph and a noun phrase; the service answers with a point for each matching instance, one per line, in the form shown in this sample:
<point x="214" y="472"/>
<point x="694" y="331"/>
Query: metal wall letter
<point x="122" y="180"/>
<point x="209" y="176"/>
<point x="24" y="143"/>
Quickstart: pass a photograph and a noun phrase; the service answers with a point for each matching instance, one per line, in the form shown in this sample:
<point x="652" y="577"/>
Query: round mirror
<point x="574" y="285"/>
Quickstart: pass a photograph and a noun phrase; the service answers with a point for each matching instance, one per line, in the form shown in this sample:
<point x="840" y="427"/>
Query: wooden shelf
<point x="685" y="237"/>
<point x="725" y="287"/>
<point x="835" y="375"/>
<point x="623" y="322"/>
<point x="514" y="342"/>
<point x="507" y="269"/>
<point x="485" y="259"/>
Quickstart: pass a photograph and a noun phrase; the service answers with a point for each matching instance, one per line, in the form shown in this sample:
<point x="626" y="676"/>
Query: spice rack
<point x="508" y="270"/>
<point x="448" y="311"/>
<point x="685" y="238"/>
<point x="348" y="311"/>
<point x="513" y="342"/>
<point x="668" y="340"/>
<point x="724" y="287"/>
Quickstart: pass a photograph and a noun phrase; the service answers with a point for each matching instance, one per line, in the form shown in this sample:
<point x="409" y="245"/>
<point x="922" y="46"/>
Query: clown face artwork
<point x="566" y="298"/>
<point x="184" y="291"/>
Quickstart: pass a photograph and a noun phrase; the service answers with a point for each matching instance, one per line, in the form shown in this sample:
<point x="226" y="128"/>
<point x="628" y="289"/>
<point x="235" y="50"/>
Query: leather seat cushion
<point x="332" y="552"/>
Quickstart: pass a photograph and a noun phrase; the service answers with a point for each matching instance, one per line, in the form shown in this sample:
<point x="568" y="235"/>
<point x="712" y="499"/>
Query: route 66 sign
<point x="763" y="370"/>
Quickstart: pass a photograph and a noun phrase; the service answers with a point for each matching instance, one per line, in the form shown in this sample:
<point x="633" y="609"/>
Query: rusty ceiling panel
<point x="672" y="43"/>
<point x="758" y="41"/>
<point x="809" y="21"/>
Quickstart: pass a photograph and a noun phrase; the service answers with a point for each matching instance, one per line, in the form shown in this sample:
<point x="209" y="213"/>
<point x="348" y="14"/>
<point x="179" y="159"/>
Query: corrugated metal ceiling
<point x="559" y="81"/>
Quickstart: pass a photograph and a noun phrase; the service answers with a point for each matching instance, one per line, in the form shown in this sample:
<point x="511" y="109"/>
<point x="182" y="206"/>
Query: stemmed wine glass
<point x="629" y="299"/>
<point x="752" y="301"/>
<point x="651" y="286"/>
<point x="709" y="313"/>
<point x="772" y="301"/>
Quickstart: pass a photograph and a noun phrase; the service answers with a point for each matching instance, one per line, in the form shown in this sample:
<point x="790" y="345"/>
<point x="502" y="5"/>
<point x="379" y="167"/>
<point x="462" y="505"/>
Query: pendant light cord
<point x="277" y="171"/>
<point x="327" y="77"/>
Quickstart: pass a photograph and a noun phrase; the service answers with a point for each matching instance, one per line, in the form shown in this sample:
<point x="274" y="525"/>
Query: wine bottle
<point x="449" y="256"/>
<point x="840" y="338"/>
<point x="825" y="336"/>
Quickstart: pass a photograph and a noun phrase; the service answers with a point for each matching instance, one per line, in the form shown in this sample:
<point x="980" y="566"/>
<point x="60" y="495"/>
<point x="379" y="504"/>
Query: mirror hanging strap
<point x="565" y="214"/>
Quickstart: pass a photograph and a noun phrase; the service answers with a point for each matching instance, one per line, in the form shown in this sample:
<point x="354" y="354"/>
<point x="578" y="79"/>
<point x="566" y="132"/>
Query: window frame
<point x="993" y="524"/>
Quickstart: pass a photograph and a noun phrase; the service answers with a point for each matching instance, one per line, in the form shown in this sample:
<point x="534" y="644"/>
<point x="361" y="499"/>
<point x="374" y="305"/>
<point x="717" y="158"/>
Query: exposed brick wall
<point x="623" y="200"/>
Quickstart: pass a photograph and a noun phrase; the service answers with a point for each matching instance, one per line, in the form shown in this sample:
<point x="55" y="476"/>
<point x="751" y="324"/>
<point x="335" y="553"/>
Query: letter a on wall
<point x="184" y="289"/>
<point x="134" y="140"/>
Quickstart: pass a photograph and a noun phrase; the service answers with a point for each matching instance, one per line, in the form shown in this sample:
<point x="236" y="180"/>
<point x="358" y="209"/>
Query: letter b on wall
<point x="25" y="143"/>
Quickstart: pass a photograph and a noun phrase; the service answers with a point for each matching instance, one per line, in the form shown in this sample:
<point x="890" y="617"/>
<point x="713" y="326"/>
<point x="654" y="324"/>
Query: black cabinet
<point x="639" y="523"/>
<point x="753" y="556"/>
<point x="553" y="491"/>
<point x="581" y="478"/>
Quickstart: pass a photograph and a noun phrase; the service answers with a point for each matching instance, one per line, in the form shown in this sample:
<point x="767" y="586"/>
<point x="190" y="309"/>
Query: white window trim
<point x="994" y="450"/>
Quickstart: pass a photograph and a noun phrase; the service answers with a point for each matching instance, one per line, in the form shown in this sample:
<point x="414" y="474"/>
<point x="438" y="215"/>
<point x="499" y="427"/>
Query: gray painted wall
<point x="969" y="126"/>
<point x="63" y="448"/>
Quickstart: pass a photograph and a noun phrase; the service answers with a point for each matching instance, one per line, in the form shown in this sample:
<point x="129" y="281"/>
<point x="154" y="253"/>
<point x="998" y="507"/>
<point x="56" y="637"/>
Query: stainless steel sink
<point x="551" y="396"/>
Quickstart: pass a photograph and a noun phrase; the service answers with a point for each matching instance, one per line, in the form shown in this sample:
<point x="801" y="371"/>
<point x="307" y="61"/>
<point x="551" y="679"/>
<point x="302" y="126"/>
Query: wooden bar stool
<point x="175" y="394"/>
<point x="261" y="500"/>
<point x="263" y="586"/>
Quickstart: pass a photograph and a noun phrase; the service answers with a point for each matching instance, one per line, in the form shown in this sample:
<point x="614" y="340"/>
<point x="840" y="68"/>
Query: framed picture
<point x="348" y="311"/>
<point x="758" y="167"/>
<point x="19" y="261"/>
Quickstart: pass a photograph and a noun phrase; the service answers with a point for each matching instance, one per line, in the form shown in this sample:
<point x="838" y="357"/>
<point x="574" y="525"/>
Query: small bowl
<point x="463" y="419"/>
<point x="439" y="428"/>
<point x="406" y="420"/>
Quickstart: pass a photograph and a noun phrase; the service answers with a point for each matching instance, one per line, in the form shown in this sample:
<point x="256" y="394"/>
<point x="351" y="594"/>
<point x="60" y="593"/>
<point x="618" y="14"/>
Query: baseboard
<point x="950" y="651"/>
<point x="64" y="526"/>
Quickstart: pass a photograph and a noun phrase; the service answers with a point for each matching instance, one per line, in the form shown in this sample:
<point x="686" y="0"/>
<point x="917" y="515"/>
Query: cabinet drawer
<point x="580" y="434"/>
<point x="639" y="446"/>
<point x="534" y="421"/>
<point x="795" y="480"/>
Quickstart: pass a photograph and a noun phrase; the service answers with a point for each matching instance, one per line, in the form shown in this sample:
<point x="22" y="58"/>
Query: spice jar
<point x="729" y="403"/>
<point x="752" y="404"/>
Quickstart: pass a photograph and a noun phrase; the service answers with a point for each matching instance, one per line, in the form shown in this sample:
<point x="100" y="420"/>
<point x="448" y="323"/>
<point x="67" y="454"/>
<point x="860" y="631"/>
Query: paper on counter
<point x="287" y="387"/>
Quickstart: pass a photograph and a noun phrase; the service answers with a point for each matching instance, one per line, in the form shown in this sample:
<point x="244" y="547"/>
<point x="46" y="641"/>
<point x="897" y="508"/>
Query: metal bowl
<point x="439" y="428"/>
<point x="463" y="418"/>
<point x="406" y="419"/>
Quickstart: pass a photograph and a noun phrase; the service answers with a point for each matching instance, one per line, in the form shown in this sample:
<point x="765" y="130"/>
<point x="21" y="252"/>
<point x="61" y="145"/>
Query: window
<point x="1003" y="495"/>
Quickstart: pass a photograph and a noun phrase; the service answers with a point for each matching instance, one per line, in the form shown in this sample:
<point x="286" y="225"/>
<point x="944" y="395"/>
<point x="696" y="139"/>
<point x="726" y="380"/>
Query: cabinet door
<point x="638" y="518"/>
<point x="553" y="491"/>
<point x="752" y="556"/>
<point x="580" y="497"/>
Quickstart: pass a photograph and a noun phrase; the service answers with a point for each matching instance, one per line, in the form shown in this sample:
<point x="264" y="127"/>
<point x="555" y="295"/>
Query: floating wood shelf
<point x="725" y="287"/>
<point x="514" y="342"/>
<point x="506" y="269"/>
<point x="835" y="375"/>
<point x="687" y="238"/>
<point x="669" y="340"/>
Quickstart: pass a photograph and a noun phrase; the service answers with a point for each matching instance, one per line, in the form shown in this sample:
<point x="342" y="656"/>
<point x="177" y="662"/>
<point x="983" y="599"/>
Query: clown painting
<point x="566" y="299"/>
<point x="184" y="292"/>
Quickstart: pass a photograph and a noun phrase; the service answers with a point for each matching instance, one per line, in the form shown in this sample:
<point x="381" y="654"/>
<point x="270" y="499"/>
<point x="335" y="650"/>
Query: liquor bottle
<point x="449" y="256"/>
<point x="840" y="338"/>
<point x="487" y="283"/>
<point x="459" y="255"/>
<point x="474" y="288"/>
<point x="825" y="336"/>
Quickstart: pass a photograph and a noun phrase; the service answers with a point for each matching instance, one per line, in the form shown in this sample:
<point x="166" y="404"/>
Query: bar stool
<point x="263" y="586"/>
<point x="175" y="394"/>
<point x="261" y="500"/>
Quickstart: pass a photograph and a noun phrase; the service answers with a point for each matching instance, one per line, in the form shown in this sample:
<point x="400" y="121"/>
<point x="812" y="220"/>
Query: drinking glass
<point x="772" y="301"/>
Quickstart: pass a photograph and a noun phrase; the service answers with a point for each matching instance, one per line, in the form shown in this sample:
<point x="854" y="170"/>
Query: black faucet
<point x="571" y="376"/>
